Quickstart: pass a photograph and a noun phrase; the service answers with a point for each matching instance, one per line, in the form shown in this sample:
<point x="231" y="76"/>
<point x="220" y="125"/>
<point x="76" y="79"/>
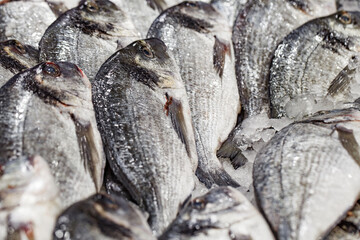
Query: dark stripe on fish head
<point x="149" y="62"/>
<point x="158" y="5"/>
<point x="59" y="83"/>
<point x="194" y="15"/>
<point x="17" y="57"/>
<point x="98" y="17"/>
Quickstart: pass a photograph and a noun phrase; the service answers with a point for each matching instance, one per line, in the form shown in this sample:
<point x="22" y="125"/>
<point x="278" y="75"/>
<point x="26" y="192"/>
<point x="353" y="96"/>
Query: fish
<point x="222" y="213"/>
<point x="25" y="21"/>
<point x="29" y="199"/>
<point x="200" y="40"/>
<point x="14" y="58"/>
<point x="144" y="12"/>
<point x="319" y="58"/>
<point x="349" y="227"/>
<point x="310" y="163"/>
<point x="102" y="216"/>
<point x="47" y="110"/>
<point x="259" y="28"/>
<point x="87" y="35"/>
<point x="145" y="122"/>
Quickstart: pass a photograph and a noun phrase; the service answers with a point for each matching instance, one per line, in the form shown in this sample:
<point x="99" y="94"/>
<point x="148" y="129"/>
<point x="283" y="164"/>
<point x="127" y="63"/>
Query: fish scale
<point x="33" y="122"/>
<point x="292" y="179"/>
<point x="149" y="147"/>
<point x="301" y="65"/>
<point x="258" y="29"/>
<point x="213" y="99"/>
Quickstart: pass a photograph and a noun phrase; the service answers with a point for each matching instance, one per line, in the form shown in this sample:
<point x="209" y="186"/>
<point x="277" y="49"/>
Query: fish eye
<point x="344" y="17"/>
<point x="92" y="6"/>
<point x="51" y="69"/>
<point x="147" y="52"/>
<point x="19" y="47"/>
<point x="199" y="203"/>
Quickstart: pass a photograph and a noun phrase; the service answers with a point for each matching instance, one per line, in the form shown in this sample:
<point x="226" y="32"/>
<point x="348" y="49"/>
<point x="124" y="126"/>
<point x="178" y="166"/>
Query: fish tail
<point x="229" y="150"/>
<point x="215" y="176"/>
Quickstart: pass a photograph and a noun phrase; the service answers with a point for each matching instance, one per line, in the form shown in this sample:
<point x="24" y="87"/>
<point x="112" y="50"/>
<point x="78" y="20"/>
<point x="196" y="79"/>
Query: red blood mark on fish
<point x="167" y="104"/>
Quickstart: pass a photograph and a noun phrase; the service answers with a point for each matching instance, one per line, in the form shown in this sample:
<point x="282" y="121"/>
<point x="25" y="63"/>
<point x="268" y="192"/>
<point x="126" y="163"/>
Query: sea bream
<point x="87" y="35"/>
<point x="259" y="28"/>
<point x="47" y="110"/>
<point x="306" y="169"/>
<point x="104" y="217"/>
<point x="14" y="58"/>
<point x="145" y="122"/>
<point x="321" y="58"/>
<point x="25" y="21"/>
<point x="200" y="40"/>
<point x="29" y="199"/>
<point x="222" y="213"/>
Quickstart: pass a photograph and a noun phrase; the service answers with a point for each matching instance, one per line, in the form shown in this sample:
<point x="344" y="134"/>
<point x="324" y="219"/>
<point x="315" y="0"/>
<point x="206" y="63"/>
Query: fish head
<point x="18" y="56"/>
<point x="105" y="19"/>
<point x="25" y="180"/>
<point x="151" y="63"/>
<point x="215" y="201"/>
<point x="205" y="212"/>
<point x="60" y="83"/>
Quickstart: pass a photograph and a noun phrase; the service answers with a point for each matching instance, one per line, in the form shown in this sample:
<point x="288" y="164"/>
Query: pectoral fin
<point x="347" y="139"/>
<point x="341" y="81"/>
<point x="174" y="109"/>
<point x="221" y="48"/>
<point x="89" y="152"/>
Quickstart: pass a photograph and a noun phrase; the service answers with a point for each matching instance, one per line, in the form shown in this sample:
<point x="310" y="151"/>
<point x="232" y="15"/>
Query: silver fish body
<point x="145" y="122"/>
<point x="222" y="213"/>
<point x="29" y="201"/>
<point x="14" y="58"/>
<point x="259" y="28"/>
<point x="102" y="217"/>
<point x="87" y="35"/>
<point x="320" y="58"/>
<point x="25" y="21"/>
<point x="200" y="40"/>
<point x="47" y="110"/>
<point x="307" y="168"/>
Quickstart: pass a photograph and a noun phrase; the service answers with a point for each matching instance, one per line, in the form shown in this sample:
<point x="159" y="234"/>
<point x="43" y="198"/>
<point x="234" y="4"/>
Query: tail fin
<point x="229" y="150"/>
<point x="215" y="176"/>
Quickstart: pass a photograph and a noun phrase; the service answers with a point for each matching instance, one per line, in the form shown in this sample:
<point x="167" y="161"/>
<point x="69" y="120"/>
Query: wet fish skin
<point x="145" y="122"/>
<point x="29" y="201"/>
<point x="23" y="21"/>
<point x="318" y="58"/>
<point x="14" y="58"/>
<point x="208" y="75"/>
<point x="229" y="8"/>
<point x="87" y="35"/>
<point x="222" y="213"/>
<point x="348" y="5"/>
<point x="259" y="28"/>
<point x="292" y="179"/>
<point x="47" y="110"/>
<point x="102" y="216"/>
